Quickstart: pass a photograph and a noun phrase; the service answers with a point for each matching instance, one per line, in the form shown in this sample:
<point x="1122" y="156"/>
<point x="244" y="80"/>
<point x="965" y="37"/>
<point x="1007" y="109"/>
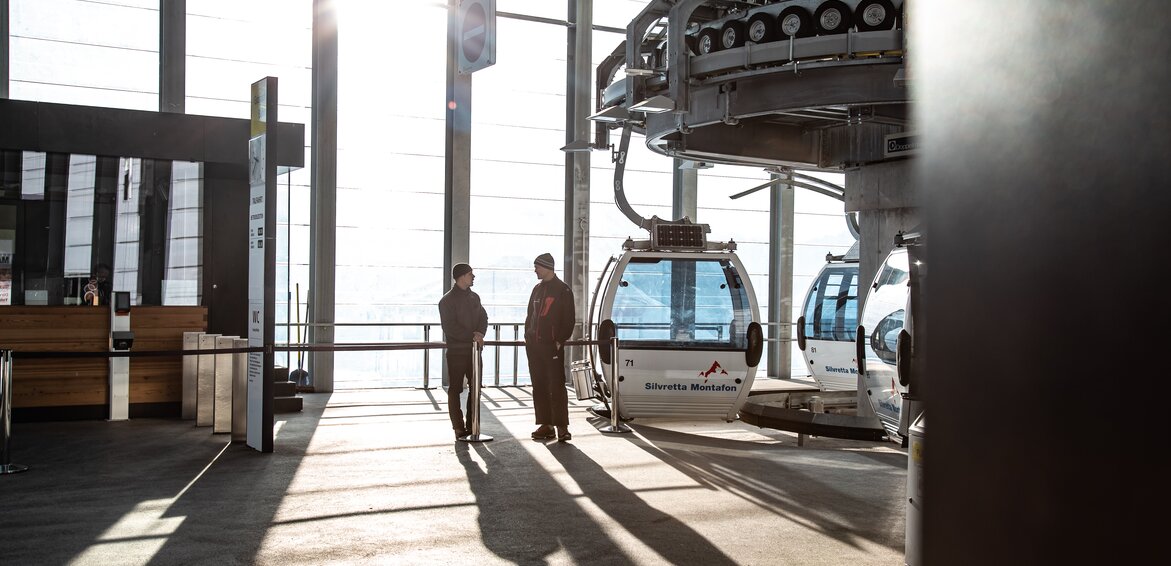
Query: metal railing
<point x="769" y="326"/>
<point x="495" y="329"/>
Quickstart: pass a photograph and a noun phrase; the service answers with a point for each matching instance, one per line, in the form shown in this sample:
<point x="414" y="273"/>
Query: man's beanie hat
<point x="544" y="260"/>
<point x="458" y="270"/>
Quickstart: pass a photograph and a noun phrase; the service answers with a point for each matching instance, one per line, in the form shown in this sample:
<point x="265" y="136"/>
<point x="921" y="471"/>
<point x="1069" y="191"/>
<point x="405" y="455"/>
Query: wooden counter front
<point x="77" y="382"/>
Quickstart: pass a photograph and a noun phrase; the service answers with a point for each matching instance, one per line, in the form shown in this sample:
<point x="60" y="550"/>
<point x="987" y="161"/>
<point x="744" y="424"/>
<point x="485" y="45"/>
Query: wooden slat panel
<point x="158" y="380"/>
<point x="46" y="388"/>
<point x="84" y="381"/>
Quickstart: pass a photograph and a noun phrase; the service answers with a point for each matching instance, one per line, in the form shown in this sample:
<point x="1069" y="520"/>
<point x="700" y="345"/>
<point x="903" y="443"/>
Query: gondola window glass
<point x="681" y="303"/>
<point x="885" y="338"/>
<point x="832" y="309"/>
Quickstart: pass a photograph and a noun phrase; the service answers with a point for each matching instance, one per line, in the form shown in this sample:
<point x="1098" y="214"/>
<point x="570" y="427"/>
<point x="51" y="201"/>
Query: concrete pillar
<point x="884" y="197"/>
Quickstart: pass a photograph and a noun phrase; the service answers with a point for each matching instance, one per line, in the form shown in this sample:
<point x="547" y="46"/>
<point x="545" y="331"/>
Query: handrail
<point x="426" y="346"/>
<point x="426" y="326"/>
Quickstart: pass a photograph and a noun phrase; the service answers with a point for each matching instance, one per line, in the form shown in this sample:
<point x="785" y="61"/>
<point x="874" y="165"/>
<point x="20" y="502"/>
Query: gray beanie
<point x="458" y="270"/>
<point x="544" y="260"/>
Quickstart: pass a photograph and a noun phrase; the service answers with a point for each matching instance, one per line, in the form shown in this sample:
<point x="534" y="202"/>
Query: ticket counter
<point x="75" y="388"/>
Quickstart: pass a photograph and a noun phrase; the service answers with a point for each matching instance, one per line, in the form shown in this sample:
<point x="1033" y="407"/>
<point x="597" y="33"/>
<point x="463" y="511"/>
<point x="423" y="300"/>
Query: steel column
<point x="172" y="56"/>
<point x="4" y="50"/>
<point x="457" y="157"/>
<point x="579" y="86"/>
<point x="684" y="188"/>
<point x="323" y="191"/>
<point x="780" y="279"/>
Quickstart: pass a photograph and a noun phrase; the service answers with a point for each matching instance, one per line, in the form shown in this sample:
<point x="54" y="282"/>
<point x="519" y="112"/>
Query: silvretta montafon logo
<point x="712" y="370"/>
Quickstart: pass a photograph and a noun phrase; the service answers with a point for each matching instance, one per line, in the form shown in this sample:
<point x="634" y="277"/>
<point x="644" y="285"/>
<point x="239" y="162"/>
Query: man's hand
<point x="478" y="338"/>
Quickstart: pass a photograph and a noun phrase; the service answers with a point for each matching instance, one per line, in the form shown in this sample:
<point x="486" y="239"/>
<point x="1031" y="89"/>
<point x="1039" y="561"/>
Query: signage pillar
<point x="261" y="263"/>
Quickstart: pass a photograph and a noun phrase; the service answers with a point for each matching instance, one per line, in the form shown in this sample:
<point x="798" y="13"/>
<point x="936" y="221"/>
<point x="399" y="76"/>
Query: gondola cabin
<point x="686" y="318"/>
<point x="828" y="325"/>
<point x="884" y="316"/>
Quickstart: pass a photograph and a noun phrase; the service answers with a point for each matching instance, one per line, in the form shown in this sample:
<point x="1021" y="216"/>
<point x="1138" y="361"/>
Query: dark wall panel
<point x="1044" y="173"/>
<point x="66" y="128"/>
<point x="225" y="249"/>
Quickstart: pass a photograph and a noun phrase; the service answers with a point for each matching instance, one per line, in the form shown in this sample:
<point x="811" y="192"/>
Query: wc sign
<point x="476" y="47"/>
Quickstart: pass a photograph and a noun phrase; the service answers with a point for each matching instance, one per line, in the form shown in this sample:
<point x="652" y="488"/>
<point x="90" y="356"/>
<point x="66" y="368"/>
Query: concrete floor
<point x="375" y="477"/>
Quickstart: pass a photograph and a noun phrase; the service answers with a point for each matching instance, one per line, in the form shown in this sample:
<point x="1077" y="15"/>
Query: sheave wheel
<point x="761" y="28"/>
<point x="708" y="42"/>
<point x="872" y="15"/>
<point x="832" y="17"/>
<point x="733" y="34"/>
<point x="795" y="21"/>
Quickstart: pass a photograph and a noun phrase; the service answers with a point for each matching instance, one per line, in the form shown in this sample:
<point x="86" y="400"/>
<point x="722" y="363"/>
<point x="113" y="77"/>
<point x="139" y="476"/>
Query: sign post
<point x="261" y="263"/>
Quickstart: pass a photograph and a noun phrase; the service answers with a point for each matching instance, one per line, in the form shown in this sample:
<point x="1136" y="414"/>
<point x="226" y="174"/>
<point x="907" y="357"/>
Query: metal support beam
<point x="323" y="190"/>
<point x="780" y="279"/>
<point x="4" y="49"/>
<point x="684" y="188"/>
<point x="457" y="187"/>
<point x="172" y="56"/>
<point x="579" y="85"/>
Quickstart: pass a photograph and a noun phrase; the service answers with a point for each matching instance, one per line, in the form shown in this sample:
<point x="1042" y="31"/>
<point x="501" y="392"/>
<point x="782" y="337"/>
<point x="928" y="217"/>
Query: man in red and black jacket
<point x="548" y="326"/>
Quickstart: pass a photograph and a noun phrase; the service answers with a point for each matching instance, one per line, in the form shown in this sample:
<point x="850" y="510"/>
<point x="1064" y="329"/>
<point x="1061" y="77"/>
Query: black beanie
<point x="458" y="270"/>
<point x="544" y="260"/>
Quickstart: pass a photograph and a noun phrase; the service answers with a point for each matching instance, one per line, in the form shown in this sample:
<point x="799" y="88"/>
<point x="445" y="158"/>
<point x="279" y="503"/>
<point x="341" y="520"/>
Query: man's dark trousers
<point x="547" y="367"/>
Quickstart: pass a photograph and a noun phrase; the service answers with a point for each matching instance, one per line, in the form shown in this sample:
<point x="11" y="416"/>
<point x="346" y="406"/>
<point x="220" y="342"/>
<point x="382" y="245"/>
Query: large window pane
<point x="100" y="54"/>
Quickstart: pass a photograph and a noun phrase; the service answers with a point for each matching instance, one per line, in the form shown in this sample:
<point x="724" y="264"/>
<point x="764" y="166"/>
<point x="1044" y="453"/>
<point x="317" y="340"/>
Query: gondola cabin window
<point x="681" y="303"/>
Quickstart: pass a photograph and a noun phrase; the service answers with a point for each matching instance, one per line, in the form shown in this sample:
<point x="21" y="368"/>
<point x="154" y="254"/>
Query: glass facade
<point x="102" y="54"/>
<point x="391" y="135"/>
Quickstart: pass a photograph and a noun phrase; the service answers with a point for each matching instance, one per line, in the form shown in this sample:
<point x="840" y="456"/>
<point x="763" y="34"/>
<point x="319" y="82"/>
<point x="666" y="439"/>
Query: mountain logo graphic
<point x="712" y="370"/>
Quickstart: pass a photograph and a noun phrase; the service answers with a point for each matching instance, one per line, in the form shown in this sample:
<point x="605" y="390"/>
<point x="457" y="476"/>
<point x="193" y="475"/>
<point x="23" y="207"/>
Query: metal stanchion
<point x="6" y="413"/>
<point x="474" y="393"/>
<point x="496" y="327"/>
<point x="515" y="353"/>
<point x="426" y="358"/>
<point x="616" y="425"/>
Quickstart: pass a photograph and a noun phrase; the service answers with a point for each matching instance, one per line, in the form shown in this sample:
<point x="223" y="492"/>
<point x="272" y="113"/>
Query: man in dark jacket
<point x="464" y="322"/>
<point x="548" y="325"/>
